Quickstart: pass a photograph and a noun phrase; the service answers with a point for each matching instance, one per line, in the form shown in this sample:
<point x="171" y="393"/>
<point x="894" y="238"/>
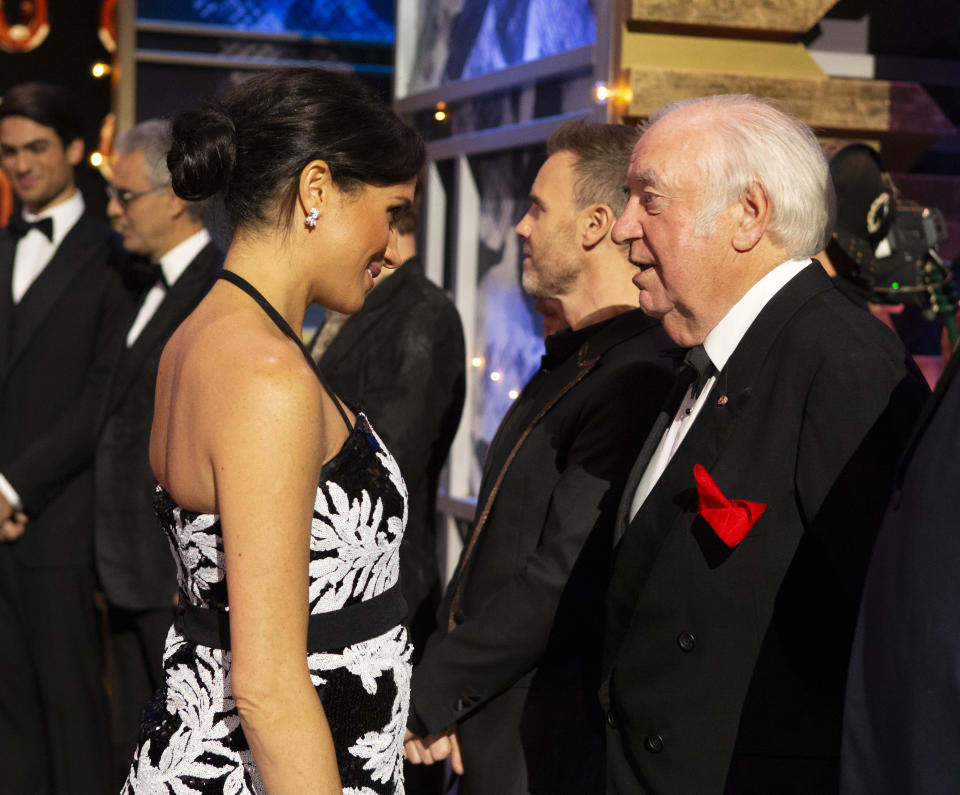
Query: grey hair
<point x="154" y="137"/>
<point x="753" y="141"/>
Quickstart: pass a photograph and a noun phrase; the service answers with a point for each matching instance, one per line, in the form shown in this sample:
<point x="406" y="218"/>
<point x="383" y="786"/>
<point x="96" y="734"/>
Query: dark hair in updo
<point x="254" y="144"/>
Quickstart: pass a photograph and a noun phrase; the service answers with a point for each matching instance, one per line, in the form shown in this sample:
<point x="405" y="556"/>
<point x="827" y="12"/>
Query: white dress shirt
<point x="173" y="264"/>
<point x="719" y="345"/>
<point x="34" y="250"/>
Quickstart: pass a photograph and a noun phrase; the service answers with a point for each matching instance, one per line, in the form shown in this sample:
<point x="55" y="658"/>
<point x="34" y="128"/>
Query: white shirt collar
<point x="176" y="260"/>
<point x="64" y="215"/>
<point x="724" y="338"/>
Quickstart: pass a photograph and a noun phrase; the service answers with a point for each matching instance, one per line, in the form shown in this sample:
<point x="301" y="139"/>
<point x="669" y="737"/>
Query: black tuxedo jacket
<point x="56" y="349"/>
<point x="725" y="667"/>
<point x="401" y="359"/>
<point x="524" y="655"/>
<point x="133" y="557"/>
<point x="900" y="726"/>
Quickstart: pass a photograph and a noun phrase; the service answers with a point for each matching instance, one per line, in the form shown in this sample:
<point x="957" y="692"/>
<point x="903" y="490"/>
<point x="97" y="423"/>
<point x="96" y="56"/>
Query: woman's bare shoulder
<point x="230" y="388"/>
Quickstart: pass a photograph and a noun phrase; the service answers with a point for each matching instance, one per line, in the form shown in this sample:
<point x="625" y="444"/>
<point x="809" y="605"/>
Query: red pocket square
<point x="730" y="519"/>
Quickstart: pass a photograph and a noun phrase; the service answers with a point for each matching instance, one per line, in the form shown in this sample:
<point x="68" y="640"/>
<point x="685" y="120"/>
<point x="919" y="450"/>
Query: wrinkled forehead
<point x="668" y="154"/>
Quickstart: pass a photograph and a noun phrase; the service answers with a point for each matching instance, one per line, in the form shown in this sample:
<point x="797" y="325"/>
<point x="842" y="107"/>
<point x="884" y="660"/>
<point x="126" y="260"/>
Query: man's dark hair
<point x="603" y="156"/>
<point x="405" y="219"/>
<point x="47" y="105"/>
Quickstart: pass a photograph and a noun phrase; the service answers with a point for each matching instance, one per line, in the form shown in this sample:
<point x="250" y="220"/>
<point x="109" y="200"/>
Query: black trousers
<point x="137" y="639"/>
<point x="54" y="736"/>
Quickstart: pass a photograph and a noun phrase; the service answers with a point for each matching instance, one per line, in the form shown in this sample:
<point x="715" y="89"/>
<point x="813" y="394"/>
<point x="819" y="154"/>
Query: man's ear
<point x="598" y="219"/>
<point x="176" y="204"/>
<point x="753" y="219"/>
<point x="74" y="151"/>
<point x="316" y="186"/>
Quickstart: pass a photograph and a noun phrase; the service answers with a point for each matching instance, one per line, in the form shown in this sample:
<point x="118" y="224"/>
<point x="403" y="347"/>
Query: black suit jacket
<point x="133" y="557"/>
<point x="401" y="360"/>
<point x="528" y="633"/>
<point x="900" y="729"/>
<point x="56" y="350"/>
<point x="725" y="667"/>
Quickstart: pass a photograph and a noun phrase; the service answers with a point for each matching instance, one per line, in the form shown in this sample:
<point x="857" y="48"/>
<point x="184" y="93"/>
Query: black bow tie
<point x="19" y="226"/>
<point x="697" y="361"/>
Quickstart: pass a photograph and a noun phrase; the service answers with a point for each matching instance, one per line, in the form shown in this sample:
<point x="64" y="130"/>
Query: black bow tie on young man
<point x="19" y="226"/>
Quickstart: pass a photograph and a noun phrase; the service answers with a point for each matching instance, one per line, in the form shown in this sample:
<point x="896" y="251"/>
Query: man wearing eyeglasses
<point x="133" y="558"/>
<point x="62" y="307"/>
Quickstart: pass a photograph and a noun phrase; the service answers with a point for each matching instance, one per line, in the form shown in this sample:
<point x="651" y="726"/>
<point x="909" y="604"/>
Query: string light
<point x="96" y="159"/>
<point x="100" y="69"/>
<point x="496" y="376"/>
<point x="476" y="361"/>
<point x="621" y="95"/>
<point x="513" y="394"/>
<point x="440" y="112"/>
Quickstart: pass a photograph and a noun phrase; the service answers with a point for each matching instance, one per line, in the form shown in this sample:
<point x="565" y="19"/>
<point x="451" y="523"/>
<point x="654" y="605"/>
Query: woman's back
<point x="357" y="651"/>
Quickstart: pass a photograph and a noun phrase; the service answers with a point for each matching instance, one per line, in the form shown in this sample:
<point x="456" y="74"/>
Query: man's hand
<point x="434" y="748"/>
<point x="13" y="527"/>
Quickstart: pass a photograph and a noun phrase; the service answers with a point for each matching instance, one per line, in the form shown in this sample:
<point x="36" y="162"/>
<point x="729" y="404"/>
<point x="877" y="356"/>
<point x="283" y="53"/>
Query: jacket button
<point x="460" y="704"/>
<point x="611" y="719"/>
<point x="458" y="617"/>
<point x="653" y="743"/>
<point x="686" y="641"/>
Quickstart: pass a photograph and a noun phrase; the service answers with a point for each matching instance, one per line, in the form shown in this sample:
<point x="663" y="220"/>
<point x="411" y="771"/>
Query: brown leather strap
<point x="585" y="366"/>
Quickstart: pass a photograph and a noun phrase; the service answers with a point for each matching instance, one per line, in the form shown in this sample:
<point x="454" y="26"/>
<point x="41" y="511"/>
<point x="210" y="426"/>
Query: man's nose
<point x="114" y="209"/>
<point x="626" y="228"/>
<point x="523" y="227"/>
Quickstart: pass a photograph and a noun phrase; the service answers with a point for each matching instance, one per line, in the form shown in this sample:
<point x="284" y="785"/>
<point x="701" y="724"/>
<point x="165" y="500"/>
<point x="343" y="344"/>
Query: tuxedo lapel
<point x="7" y="249"/>
<point x="179" y="301"/>
<point x="71" y="256"/>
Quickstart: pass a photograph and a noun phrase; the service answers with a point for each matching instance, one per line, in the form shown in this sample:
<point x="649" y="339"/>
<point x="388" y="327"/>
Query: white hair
<point x="752" y="141"/>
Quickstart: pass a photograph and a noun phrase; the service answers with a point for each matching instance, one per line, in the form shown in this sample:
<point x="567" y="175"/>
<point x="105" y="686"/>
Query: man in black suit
<point x="61" y="309"/>
<point x="748" y="518"/>
<point x="900" y="726"/>
<point x="514" y="667"/>
<point x="133" y="558"/>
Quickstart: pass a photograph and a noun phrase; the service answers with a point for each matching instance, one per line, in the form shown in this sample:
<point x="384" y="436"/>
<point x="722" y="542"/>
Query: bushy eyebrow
<point x="648" y="178"/>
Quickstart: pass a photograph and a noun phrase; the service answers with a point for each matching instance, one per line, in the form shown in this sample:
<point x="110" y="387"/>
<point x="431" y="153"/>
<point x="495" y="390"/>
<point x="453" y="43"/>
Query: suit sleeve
<point x="67" y="446"/>
<point x="859" y="412"/>
<point x="407" y="411"/>
<point x="857" y="419"/>
<point x="494" y="648"/>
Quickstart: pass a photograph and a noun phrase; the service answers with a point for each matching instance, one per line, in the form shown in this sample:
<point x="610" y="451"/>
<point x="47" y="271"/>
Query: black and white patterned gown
<point x="190" y="739"/>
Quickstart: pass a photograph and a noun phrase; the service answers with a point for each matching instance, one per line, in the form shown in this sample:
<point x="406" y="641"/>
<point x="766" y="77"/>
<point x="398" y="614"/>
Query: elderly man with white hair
<point x="747" y="521"/>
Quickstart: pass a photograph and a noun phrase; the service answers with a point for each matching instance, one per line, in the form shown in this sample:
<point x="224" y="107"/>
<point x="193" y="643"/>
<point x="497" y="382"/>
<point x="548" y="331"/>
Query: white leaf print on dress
<point x="369" y="660"/>
<point x="354" y="556"/>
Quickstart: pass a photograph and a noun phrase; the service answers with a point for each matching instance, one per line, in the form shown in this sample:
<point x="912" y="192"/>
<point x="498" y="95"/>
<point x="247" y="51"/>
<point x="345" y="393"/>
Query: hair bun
<point x="202" y="153"/>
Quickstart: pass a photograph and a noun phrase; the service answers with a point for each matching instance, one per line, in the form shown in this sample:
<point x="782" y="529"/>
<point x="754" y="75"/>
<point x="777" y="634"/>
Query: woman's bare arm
<point x="266" y="459"/>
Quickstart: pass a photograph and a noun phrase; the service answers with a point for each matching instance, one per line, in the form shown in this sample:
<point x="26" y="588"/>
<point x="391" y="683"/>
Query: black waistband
<point x="326" y="631"/>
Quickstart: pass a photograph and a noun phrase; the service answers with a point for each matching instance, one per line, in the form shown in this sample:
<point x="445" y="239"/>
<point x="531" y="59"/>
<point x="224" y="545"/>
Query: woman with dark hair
<point x="298" y="680"/>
